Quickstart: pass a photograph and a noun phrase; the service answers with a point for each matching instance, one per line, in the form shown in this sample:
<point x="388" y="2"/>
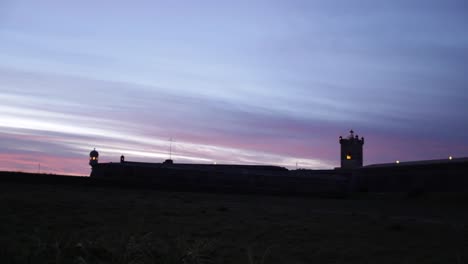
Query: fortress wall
<point x="432" y="177"/>
<point x="446" y="177"/>
<point x="296" y="182"/>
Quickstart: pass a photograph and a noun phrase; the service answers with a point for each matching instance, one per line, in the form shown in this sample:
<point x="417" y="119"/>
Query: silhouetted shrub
<point x="222" y="209"/>
<point x="396" y="227"/>
<point x="415" y="193"/>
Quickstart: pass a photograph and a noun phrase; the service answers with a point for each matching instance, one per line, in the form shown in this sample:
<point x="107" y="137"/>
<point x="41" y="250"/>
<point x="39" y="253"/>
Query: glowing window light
<point x="348" y="157"/>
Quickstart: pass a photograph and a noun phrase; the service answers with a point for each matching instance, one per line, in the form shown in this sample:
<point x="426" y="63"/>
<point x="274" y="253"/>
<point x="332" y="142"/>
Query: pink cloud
<point x="30" y="162"/>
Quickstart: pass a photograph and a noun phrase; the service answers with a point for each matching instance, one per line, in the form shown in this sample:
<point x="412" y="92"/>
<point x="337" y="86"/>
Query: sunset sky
<point x="251" y="82"/>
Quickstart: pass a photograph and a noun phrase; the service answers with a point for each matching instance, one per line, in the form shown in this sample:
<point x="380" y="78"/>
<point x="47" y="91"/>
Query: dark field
<point x="42" y="223"/>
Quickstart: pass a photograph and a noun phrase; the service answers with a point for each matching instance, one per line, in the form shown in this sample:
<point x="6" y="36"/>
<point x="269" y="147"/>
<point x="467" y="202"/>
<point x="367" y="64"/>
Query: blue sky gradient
<point x="258" y="82"/>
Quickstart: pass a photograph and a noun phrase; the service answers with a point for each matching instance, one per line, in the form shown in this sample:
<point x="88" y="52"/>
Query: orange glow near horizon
<point x="348" y="157"/>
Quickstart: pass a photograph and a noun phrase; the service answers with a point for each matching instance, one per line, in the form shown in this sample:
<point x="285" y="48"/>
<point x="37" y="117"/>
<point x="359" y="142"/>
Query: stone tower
<point x="93" y="158"/>
<point x="351" y="151"/>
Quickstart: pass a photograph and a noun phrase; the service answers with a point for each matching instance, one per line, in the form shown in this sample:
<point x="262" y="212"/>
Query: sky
<point x="249" y="82"/>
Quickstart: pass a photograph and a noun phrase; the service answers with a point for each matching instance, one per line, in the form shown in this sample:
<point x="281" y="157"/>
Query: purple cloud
<point x="242" y="82"/>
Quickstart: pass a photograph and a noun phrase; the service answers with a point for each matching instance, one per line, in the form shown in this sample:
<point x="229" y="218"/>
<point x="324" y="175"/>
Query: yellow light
<point x="450" y="158"/>
<point x="348" y="157"/>
<point x="397" y="162"/>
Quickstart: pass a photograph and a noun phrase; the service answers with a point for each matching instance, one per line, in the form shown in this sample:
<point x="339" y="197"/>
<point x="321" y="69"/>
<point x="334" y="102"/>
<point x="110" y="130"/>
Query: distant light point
<point x="450" y="157"/>
<point x="397" y="162"/>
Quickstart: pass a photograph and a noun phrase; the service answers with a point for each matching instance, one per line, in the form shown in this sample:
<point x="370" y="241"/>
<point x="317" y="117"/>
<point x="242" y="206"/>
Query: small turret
<point x="168" y="161"/>
<point x="93" y="158"/>
<point x="351" y="151"/>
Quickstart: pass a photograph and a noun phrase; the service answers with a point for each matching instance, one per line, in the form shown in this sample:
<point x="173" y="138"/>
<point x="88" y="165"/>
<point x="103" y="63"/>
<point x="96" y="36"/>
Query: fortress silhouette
<point x="449" y="174"/>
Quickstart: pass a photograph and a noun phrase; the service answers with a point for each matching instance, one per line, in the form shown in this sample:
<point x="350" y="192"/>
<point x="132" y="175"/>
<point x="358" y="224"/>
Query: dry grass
<point x="77" y="224"/>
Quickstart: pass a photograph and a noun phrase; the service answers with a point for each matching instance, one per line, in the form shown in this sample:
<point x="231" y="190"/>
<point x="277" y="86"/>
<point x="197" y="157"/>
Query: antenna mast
<point x="170" y="148"/>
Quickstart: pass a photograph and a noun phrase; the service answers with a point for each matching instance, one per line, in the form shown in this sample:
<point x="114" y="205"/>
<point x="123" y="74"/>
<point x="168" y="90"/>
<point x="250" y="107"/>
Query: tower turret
<point x="93" y="158"/>
<point x="351" y="151"/>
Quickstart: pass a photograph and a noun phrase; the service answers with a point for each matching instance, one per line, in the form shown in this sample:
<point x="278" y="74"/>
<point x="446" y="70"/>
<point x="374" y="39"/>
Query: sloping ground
<point x="43" y="223"/>
<point x="24" y="177"/>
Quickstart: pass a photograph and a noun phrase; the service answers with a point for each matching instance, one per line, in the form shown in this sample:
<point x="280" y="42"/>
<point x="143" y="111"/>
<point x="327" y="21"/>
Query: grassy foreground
<point x="79" y="224"/>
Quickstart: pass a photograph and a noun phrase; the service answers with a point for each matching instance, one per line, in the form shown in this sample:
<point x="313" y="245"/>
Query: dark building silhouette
<point x="93" y="158"/>
<point x="431" y="175"/>
<point x="351" y="151"/>
<point x="168" y="161"/>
